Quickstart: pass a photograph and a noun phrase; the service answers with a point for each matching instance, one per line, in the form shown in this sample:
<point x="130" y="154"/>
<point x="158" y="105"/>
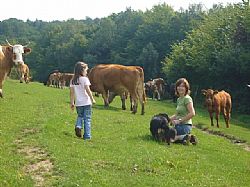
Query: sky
<point x="50" y="10"/>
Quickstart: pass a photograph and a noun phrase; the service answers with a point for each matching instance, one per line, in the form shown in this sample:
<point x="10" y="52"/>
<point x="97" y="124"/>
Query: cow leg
<point x="26" y="78"/>
<point x="135" y="102"/>
<point x="226" y="114"/>
<point x="1" y="85"/>
<point x="22" y="78"/>
<point x="158" y="96"/>
<point x="131" y="103"/>
<point x="211" y="118"/>
<point x="217" y="118"/>
<point x="141" y="100"/>
<point x="123" y="99"/>
<point x="105" y="98"/>
<point x="1" y="91"/>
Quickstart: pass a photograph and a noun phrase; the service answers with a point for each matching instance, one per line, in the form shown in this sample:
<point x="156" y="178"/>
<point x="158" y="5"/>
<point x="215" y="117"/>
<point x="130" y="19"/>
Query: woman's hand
<point x="176" y="122"/>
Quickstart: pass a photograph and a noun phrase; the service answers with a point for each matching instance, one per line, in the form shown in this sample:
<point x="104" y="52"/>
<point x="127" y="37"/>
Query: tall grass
<point x="121" y="152"/>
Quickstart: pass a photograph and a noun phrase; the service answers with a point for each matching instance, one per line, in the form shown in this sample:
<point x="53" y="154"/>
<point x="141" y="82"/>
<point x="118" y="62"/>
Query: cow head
<point x="209" y="93"/>
<point x="18" y="51"/>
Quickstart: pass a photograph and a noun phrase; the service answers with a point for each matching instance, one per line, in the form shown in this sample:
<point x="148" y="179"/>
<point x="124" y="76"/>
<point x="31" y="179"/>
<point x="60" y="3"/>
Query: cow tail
<point x="142" y="83"/>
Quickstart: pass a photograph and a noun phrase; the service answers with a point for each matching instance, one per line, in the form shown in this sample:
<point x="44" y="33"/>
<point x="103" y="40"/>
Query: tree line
<point x="208" y="47"/>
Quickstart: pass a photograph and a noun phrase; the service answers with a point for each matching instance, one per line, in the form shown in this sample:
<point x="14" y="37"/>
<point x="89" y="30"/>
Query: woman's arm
<point x="191" y="113"/>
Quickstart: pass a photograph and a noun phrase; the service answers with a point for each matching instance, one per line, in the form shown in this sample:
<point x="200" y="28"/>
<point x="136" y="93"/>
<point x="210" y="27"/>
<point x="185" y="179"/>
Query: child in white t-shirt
<point x="81" y="97"/>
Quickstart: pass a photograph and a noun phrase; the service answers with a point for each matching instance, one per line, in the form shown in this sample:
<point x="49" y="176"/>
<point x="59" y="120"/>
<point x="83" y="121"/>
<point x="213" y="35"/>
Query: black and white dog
<point x="160" y="129"/>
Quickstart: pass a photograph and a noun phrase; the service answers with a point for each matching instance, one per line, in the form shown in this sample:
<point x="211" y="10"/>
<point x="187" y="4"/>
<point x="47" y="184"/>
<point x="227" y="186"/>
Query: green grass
<point x="121" y="152"/>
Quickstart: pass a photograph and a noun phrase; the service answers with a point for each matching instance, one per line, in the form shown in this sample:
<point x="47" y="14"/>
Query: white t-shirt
<point x="81" y="96"/>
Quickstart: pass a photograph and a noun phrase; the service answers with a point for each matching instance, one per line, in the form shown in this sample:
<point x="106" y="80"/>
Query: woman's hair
<point x="78" y="71"/>
<point x="186" y="84"/>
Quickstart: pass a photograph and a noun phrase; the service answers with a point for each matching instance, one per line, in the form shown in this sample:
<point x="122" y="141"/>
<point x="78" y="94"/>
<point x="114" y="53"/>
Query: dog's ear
<point x="166" y="116"/>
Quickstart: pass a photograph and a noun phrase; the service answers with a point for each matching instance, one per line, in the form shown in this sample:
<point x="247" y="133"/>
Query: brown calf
<point x="217" y="102"/>
<point x="23" y="71"/>
<point x="65" y="79"/>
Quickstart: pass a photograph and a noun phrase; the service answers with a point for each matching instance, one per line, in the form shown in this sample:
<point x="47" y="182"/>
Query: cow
<point x="10" y="55"/>
<point x="159" y="88"/>
<point x="217" y="102"/>
<point x="119" y="79"/>
<point x="155" y="88"/>
<point x="54" y="79"/>
<point x="65" y="78"/>
<point x="23" y="71"/>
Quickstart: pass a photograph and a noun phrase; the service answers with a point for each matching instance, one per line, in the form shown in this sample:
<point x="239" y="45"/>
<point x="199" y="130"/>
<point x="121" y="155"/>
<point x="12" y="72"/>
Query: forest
<point x="209" y="47"/>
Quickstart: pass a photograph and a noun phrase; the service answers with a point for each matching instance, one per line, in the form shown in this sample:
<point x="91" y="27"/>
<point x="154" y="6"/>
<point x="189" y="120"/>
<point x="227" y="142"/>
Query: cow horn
<point x="9" y="43"/>
<point x="26" y="44"/>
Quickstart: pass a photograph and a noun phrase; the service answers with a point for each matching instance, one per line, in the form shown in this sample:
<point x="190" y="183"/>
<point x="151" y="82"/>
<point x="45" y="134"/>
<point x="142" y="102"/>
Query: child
<point x="81" y="97"/>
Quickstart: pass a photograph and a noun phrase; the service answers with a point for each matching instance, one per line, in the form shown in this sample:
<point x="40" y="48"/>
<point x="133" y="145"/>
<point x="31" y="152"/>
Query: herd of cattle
<point x="58" y="79"/>
<point x="110" y="80"/>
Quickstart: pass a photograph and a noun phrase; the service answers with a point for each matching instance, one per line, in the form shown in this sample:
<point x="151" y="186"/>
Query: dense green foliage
<point x="37" y="119"/>
<point x="217" y="54"/>
<point x="210" y="48"/>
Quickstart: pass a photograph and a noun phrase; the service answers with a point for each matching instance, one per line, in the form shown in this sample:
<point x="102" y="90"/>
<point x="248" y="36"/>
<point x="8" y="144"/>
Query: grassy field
<point x="38" y="146"/>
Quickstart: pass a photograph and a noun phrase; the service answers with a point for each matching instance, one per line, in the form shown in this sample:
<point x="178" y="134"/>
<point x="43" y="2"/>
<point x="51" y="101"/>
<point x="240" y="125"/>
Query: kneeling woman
<point x="182" y="119"/>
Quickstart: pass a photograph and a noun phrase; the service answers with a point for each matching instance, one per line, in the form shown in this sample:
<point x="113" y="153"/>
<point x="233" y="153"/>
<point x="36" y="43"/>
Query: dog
<point x="160" y="129"/>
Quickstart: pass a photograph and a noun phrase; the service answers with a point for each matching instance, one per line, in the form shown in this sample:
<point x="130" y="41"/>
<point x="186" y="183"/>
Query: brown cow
<point x="159" y="87"/>
<point x="54" y="80"/>
<point x="23" y="71"/>
<point x="218" y="102"/>
<point x="65" y="79"/>
<point x="119" y="79"/>
<point x="155" y="88"/>
<point x="10" y="55"/>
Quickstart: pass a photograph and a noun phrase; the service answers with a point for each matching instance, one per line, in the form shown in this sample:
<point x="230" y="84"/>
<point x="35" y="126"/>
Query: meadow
<point x="38" y="146"/>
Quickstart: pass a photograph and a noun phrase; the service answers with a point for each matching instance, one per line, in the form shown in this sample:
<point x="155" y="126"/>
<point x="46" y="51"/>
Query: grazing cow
<point x="119" y="79"/>
<point x="160" y="129"/>
<point x="159" y="89"/>
<point x="65" y="79"/>
<point x="45" y="82"/>
<point x="10" y="55"/>
<point x="217" y="102"/>
<point x="23" y="71"/>
<point x="155" y="88"/>
<point x="54" y="80"/>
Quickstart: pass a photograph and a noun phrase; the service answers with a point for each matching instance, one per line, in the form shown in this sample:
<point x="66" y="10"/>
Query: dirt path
<point x="40" y="166"/>
<point x="233" y="139"/>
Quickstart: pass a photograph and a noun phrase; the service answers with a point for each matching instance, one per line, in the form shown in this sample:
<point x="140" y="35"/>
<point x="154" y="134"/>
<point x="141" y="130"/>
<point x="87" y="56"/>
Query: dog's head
<point x="163" y="115"/>
<point x="170" y="135"/>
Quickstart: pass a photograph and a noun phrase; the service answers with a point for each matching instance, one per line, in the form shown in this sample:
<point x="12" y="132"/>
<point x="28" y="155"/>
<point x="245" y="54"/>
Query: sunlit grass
<point x="121" y="152"/>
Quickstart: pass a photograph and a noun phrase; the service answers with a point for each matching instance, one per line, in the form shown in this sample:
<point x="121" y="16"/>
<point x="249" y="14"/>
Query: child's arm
<point x="89" y="93"/>
<point x="72" y="98"/>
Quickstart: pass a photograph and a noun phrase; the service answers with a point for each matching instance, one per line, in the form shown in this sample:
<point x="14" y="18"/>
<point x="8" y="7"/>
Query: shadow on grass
<point x="145" y="137"/>
<point x="149" y="138"/>
<point x="102" y="107"/>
